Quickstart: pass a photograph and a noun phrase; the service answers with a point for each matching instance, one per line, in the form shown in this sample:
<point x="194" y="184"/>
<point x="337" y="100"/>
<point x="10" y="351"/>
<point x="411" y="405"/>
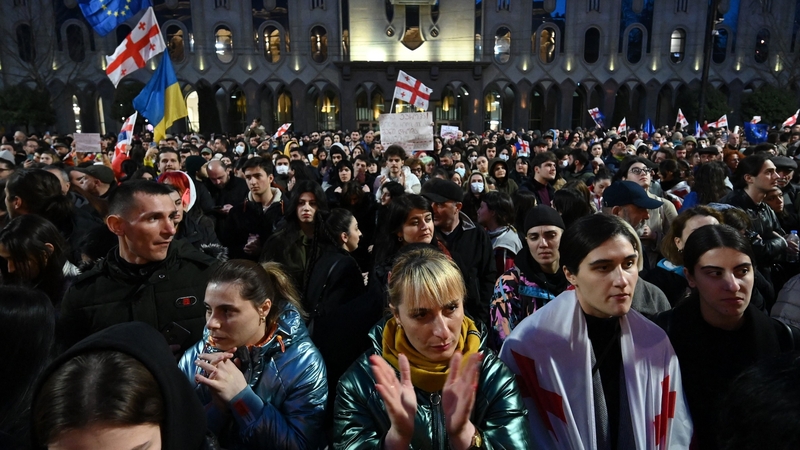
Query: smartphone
<point x="175" y="334"/>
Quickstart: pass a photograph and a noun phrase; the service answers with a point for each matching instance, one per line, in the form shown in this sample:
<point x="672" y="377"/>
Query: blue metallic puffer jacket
<point x="284" y="405"/>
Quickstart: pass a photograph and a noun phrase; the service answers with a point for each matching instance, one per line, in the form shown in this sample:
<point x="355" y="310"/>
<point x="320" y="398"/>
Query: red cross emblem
<point x="546" y="401"/>
<point x="141" y="26"/>
<point x="667" y="412"/>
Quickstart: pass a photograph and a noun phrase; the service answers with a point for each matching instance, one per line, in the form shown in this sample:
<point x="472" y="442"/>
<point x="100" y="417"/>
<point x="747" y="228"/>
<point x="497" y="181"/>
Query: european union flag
<point x="105" y="15"/>
<point x="161" y="101"/>
<point x="756" y="133"/>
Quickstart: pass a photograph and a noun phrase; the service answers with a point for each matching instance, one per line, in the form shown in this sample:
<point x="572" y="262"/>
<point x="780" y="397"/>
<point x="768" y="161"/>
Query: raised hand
<point x="458" y="399"/>
<point x="399" y="398"/>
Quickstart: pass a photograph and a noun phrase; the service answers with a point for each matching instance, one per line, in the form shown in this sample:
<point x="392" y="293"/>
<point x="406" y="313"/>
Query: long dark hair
<point x="337" y="222"/>
<point x="387" y="244"/>
<point x="28" y="332"/>
<point x="301" y="172"/>
<point x="25" y="239"/>
<point x="293" y="222"/>
<point x="41" y="194"/>
<point x="710" y="237"/>
<point x="709" y="182"/>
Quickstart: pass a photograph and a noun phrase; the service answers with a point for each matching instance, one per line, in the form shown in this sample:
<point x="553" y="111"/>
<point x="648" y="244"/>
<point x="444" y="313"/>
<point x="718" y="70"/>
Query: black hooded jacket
<point x="184" y="425"/>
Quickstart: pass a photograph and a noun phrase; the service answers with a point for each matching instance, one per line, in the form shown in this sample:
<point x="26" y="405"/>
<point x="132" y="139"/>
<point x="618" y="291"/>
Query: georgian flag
<point x="682" y="119"/>
<point x="757" y="119"/>
<point x="523" y="148"/>
<point x="412" y="91"/>
<point x="551" y="355"/>
<point x="282" y="130"/>
<point x="125" y="135"/>
<point x="597" y="116"/>
<point x="791" y="120"/>
<point x="623" y="126"/>
<point x="144" y="42"/>
<point x="722" y="122"/>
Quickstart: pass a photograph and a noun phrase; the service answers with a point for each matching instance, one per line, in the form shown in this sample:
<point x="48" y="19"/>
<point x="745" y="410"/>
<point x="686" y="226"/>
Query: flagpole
<point x="391" y="109"/>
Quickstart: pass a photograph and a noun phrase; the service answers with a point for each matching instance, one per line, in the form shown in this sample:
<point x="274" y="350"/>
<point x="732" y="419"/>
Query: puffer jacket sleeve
<point x="504" y="308"/>
<point x="359" y="421"/>
<point x="499" y="413"/>
<point x="297" y="423"/>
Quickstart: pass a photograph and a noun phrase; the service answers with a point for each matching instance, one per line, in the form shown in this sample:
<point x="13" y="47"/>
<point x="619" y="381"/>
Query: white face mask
<point x="239" y="149"/>
<point x="476" y="187"/>
<point x="281" y="170"/>
<point x="504" y="157"/>
<point x="461" y="171"/>
<point x="564" y="163"/>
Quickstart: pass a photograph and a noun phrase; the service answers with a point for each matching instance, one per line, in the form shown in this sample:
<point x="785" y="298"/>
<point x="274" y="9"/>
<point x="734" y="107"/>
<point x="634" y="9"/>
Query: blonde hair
<point x="424" y="275"/>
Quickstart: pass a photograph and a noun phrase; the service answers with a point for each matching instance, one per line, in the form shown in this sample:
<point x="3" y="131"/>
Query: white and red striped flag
<point x="144" y="42"/>
<point x="412" y="91"/>
<point x="791" y="120"/>
<point x="722" y="122"/>
<point x="623" y="126"/>
<point x="125" y="135"/>
<point x="282" y="130"/>
<point x="682" y="119"/>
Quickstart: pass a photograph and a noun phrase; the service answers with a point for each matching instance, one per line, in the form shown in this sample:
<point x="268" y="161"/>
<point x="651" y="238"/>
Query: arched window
<point x="591" y="45"/>
<point x="176" y="43"/>
<point x="635" y="39"/>
<point x="547" y="45"/>
<point x="75" y="45"/>
<point x="224" y="44"/>
<point x="193" y="108"/>
<point x="25" y="47"/>
<point x="378" y="106"/>
<point x="272" y="44"/>
<point x="762" y="46"/>
<point x="720" y="51"/>
<point x="493" y="119"/>
<point x="76" y="111"/>
<point x="502" y="45"/>
<point x="319" y="44"/>
<point x="284" y="108"/>
<point x="677" y="45"/>
<point x="326" y="107"/>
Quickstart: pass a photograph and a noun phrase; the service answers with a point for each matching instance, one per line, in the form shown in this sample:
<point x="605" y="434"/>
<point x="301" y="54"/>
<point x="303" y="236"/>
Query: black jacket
<point x="184" y="424"/>
<point x="771" y="248"/>
<point x="534" y="186"/>
<point x="471" y="249"/>
<point x="248" y="217"/>
<point x="168" y="291"/>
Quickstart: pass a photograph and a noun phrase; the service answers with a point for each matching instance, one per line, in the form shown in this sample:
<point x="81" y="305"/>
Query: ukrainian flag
<point x="105" y="15"/>
<point x="161" y="101"/>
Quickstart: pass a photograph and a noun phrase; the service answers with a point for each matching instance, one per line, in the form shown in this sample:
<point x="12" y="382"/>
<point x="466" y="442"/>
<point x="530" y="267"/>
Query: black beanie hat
<point x="543" y="215"/>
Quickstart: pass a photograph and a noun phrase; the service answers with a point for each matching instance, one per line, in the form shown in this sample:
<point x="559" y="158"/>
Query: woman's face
<point x="521" y="166"/>
<point x="606" y="279"/>
<point x="433" y="330"/>
<point x="483" y="164"/>
<point x="732" y="161"/>
<point x="386" y="197"/>
<point x="476" y="179"/>
<point x="356" y="151"/>
<point x="694" y="160"/>
<point x="326" y="141"/>
<point x="724" y="279"/>
<point x="418" y="227"/>
<point x="322" y="156"/>
<point x="499" y="171"/>
<point x="337" y="138"/>
<point x="353" y="236"/>
<point x="231" y="320"/>
<point x="690" y="226"/>
<point x="429" y="167"/>
<point x="178" y="207"/>
<point x="456" y="178"/>
<point x="597" y="150"/>
<point x="46" y="158"/>
<point x="306" y="207"/>
<point x="491" y="152"/>
<point x="417" y="170"/>
<point x="345" y="174"/>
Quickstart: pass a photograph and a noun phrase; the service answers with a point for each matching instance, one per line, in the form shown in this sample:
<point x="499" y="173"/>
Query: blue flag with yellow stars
<point x="105" y="15"/>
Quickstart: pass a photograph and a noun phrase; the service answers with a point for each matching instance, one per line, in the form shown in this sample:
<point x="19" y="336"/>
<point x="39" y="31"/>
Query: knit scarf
<point x="426" y="375"/>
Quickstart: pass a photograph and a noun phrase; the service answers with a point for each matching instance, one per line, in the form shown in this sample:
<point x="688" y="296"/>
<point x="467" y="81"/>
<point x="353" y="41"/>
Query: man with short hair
<point x="226" y="190"/>
<point x="282" y="171"/>
<point x="97" y="180"/>
<point x="617" y="152"/>
<point x="251" y="222"/>
<point x="544" y="174"/>
<point x="395" y="170"/>
<point x="147" y="277"/>
<point x="469" y="246"/>
<point x="710" y="153"/>
<point x="785" y="167"/>
<point x="7" y="165"/>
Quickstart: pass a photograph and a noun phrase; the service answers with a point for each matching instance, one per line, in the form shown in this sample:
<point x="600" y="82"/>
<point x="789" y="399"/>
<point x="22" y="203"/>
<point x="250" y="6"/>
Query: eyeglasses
<point x="640" y="171"/>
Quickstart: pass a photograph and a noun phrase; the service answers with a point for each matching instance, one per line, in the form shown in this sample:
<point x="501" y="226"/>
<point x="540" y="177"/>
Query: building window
<point x="720" y="51"/>
<point x="317" y="4"/>
<point x="272" y="44"/>
<point x="682" y="5"/>
<point x="224" y="44"/>
<point x="25" y="47"/>
<point x="75" y="44"/>
<point x="503" y="5"/>
<point x="193" y="108"/>
<point x="635" y="40"/>
<point x="762" y="46"/>
<point x="176" y="43"/>
<point x="284" y="108"/>
<point x="677" y="45"/>
<point x="594" y="5"/>
<point x="547" y="45"/>
<point x="76" y="112"/>
<point x="221" y="4"/>
<point x="502" y="45"/>
<point x="319" y="44"/>
<point x="591" y="45"/>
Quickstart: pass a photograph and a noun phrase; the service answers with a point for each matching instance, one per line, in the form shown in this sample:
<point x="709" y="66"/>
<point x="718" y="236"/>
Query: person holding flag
<point x="161" y="101"/>
<point x="593" y="373"/>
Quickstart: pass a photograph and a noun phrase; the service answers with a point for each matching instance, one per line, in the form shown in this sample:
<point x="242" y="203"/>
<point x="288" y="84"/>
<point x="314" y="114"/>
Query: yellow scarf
<point x="426" y="375"/>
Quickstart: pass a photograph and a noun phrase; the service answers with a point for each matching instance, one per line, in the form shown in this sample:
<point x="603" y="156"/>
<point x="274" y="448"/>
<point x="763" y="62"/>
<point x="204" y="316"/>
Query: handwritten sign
<point x="412" y="131"/>
<point x="87" y="142"/>
<point x="449" y="132"/>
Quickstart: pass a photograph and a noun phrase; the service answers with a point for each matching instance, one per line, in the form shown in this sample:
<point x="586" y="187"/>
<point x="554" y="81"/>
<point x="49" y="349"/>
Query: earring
<point x="399" y="239"/>
<point x="261" y="320"/>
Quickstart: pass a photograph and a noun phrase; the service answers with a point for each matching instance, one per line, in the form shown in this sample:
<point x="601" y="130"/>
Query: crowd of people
<point x="514" y="289"/>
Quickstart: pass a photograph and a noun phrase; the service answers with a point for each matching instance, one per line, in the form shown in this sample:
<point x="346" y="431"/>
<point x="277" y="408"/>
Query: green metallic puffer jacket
<point x="361" y="421"/>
